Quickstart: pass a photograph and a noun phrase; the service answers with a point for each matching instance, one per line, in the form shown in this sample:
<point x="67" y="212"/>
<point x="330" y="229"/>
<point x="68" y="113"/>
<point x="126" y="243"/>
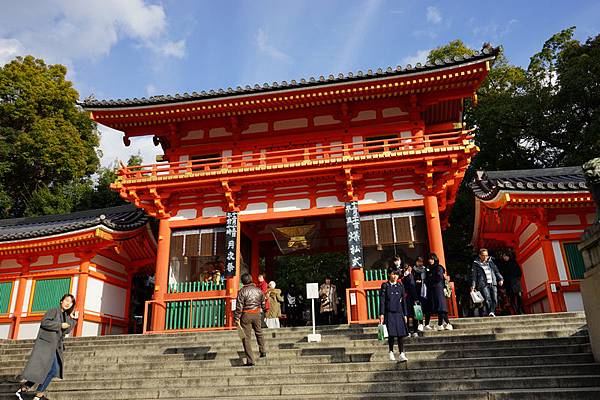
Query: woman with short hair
<point x="46" y="359"/>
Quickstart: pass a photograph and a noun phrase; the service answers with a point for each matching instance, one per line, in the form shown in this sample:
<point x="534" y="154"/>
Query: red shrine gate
<point x="386" y="151"/>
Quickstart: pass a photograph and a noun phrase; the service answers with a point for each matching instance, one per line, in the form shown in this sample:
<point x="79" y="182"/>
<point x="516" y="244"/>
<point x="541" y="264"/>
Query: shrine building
<point x="92" y="254"/>
<point x="540" y="215"/>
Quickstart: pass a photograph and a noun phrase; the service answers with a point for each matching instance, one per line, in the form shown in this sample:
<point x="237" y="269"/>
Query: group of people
<point x="422" y="284"/>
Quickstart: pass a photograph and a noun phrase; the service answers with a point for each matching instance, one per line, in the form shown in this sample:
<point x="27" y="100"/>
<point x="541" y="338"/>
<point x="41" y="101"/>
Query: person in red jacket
<point x="263" y="286"/>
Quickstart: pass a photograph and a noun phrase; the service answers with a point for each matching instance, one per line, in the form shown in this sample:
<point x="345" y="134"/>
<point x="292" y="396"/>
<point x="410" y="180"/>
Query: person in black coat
<point x="512" y="273"/>
<point x="412" y="297"/>
<point x="392" y="310"/>
<point x="421" y="274"/>
<point x="437" y="298"/>
<point x="46" y="359"/>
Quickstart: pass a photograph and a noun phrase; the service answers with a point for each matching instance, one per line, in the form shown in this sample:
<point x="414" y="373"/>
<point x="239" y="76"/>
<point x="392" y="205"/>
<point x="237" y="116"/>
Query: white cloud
<point x="151" y="89"/>
<point x="113" y="149"/>
<point x="64" y="31"/>
<point x="434" y="15"/>
<point x="493" y="30"/>
<point x="420" y="57"/>
<point x="262" y="42"/>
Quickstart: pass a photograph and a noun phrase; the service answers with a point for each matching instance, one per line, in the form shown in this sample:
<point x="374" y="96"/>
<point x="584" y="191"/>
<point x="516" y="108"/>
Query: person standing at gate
<point x="329" y="302"/>
<point x="485" y="277"/>
<point x="438" y="302"/>
<point x="412" y="298"/>
<point x="512" y="273"/>
<point x="392" y="309"/>
<point x="250" y="304"/>
<point x="275" y="300"/>
<point x="420" y="273"/>
<point x="46" y="359"/>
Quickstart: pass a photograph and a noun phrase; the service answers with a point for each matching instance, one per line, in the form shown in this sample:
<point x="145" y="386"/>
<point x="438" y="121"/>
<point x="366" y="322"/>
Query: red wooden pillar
<point x="161" y="276"/>
<point x="25" y="264"/>
<point x="357" y="281"/>
<point x="434" y="227"/>
<point x="556" y="299"/>
<point x="84" y="272"/>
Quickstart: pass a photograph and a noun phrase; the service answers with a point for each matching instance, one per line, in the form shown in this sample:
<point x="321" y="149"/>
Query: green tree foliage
<point x="47" y="145"/>
<point x="547" y="115"/>
<point x="451" y="50"/>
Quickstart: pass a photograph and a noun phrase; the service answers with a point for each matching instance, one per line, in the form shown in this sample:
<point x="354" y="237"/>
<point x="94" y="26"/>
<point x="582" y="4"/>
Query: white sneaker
<point x="392" y="357"/>
<point x="428" y="328"/>
<point x="439" y="328"/>
<point x="415" y="334"/>
<point x="403" y="357"/>
<point x="18" y="394"/>
<point x="449" y="327"/>
<point x="492" y="314"/>
<point x="420" y="328"/>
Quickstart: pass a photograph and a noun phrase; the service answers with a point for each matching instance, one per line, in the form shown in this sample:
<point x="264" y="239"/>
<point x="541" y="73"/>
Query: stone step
<point x="365" y="388"/>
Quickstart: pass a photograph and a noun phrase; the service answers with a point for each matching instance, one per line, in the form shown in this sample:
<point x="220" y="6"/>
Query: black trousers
<point x="400" y="343"/>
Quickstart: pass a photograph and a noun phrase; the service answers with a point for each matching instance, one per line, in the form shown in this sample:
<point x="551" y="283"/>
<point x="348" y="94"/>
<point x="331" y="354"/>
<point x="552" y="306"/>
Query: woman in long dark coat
<point x="437" y="299"/>
<point x="46" y="359"/>
<point x="412" y="297"/>
<point x="392" y="310"/>
<point x="421" y="274"/>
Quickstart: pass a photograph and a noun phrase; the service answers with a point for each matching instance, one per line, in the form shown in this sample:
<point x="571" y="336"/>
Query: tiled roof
<point x="487" y="184"/>
<point x="122" y="218"/>
<point x="487" y="52"/>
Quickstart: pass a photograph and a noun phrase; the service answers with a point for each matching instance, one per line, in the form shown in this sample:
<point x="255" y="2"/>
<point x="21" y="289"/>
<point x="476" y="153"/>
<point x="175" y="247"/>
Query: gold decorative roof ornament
<point x="294" y="238"/>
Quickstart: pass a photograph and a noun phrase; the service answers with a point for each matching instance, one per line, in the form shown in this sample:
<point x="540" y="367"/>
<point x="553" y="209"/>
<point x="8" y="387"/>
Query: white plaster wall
<point x="290" y="124"/>
<point x="406" y="194"/>
<point x="565" y="219"/>
<point x="534" y="270"/>
<point x="365" y="115"/>
<point x="531" y="228"/>
<point x="219" y="132"/>
<point x="325" y="120"/>
<point x="374" y="197"/>
<point x="74" y="284"/>
<point x="108" y="263"/>
<point x="67" y="258"/>
<point x="187" y="213"/>
<point x="291" y="205"/>
<point x="208" y="212"/>
<point x="392" y="112"/>
<point x="27" y="297"/>
<point x="4" y="331"/>
<point x="43" y="260"/>
<point x="28" y="330"/>
<point x="328" y="201"/>
<point x="255" y="128"/>
<point x="9" y="264"/>
<point x="560" y="262"/>
<point x="573" y="301"/>
<point x="91" y="329"/>
<point x="255" y="208"/>
<point x="13" y="301"/>
<point x="198" y="134"/>
<point x="103" y="297"/>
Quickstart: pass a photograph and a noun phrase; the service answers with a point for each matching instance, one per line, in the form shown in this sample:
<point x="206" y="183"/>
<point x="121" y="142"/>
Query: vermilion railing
<point x="548" y="296"/>
<point x="306" y="155"/>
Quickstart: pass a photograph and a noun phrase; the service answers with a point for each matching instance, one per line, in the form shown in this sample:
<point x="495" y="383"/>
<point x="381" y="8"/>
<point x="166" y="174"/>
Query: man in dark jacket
<point x="512" y="273"/>
<point x="249" y="305"/>
<point x="486" y="278"/>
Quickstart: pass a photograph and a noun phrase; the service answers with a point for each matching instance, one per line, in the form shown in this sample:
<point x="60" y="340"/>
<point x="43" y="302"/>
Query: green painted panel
<point x="208" y="313"/>
<point x="48" y="292"/>
<point x="373" y="303"/>
<point x="574" y="261"/>
<point x="5" y="289"/>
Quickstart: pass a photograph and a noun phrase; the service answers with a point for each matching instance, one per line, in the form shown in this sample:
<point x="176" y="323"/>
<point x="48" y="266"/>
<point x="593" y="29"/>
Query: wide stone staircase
<point x="520" y="357"/>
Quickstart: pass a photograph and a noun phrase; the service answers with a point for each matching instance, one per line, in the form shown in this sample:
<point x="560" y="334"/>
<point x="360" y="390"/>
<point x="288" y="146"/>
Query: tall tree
<point x="47" y="144"/>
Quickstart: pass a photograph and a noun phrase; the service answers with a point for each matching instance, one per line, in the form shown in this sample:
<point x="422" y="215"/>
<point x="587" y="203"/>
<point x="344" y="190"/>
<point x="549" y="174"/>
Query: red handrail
<point x="314" y="153"/>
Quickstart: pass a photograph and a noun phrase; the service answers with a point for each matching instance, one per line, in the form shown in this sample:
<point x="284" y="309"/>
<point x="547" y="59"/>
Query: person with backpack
<point x="392" y="310"/>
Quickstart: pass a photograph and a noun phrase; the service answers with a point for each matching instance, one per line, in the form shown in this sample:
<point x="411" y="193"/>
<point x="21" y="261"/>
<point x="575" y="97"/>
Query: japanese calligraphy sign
<point x="355" y="248"/>
<point x="231" y="232"/>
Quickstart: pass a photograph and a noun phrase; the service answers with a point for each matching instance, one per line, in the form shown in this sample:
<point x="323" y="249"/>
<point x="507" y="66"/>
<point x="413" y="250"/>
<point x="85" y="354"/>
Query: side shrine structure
<point x="92" y="254"/>
<point x="540" y="215"/>
<point x="366" y="163"/>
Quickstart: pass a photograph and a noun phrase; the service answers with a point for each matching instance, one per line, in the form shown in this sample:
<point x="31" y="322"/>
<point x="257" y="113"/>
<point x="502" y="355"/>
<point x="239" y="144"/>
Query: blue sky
<point x="137" y="48"/>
